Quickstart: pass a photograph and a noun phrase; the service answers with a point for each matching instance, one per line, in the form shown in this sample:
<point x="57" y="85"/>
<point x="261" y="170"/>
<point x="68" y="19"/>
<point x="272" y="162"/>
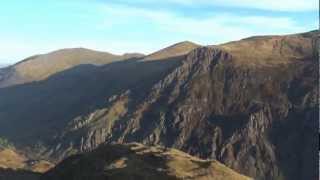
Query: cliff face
<point x="251" y="104"/>
<point x="257" y="115"/>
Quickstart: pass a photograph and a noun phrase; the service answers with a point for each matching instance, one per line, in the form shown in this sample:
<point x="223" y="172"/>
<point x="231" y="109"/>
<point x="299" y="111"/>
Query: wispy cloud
<point x="274" y="5"/>
<point x="214" y="28"/>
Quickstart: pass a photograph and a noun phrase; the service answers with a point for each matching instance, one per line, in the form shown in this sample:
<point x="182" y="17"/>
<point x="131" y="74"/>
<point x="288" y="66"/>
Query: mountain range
<point x="250" y="104"/>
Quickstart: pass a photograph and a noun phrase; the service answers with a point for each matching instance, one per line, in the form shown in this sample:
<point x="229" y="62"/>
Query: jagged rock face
<point x="252" y="105"/>
<point x="259" y="120"/>
<point x="211" y="109"/>
<point x="139" y="162"/>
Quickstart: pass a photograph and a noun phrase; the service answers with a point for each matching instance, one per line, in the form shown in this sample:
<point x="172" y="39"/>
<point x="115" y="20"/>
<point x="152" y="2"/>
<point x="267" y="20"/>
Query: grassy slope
<point x="136" y="161"/>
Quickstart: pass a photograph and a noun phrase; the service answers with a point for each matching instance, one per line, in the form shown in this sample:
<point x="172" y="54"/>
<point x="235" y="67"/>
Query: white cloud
<point x="274" y="5"/>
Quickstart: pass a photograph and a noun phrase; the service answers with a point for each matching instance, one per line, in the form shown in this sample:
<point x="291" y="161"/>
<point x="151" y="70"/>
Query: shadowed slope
<point x="43" y="110"/>
<point x="9" y="174"/>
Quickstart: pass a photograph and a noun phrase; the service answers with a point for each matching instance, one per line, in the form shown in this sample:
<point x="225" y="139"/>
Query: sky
<point x="121" y="26"/>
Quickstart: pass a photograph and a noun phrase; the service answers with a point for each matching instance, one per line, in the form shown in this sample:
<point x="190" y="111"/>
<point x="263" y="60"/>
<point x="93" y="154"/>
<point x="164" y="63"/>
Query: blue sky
<point x="120" y="26"/>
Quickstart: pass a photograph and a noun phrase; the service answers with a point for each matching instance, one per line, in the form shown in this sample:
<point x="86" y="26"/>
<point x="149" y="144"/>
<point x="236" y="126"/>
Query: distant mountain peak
<point x="3" y="65"/>
<point x="40" y="67"/>
<point x="133" y="55"/>
<point x="185" y="43"/>
<point x="178" y="49"/>
<point x="78" y="50"/>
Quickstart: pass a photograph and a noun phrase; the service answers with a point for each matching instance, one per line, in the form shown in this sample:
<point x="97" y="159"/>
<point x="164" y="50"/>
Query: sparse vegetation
<point x="4" y="143"/>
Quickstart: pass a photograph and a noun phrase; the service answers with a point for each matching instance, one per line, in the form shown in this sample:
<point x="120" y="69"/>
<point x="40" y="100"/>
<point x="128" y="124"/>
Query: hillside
<point x="274" y="50"/>
<point x="251" y="104"/>
<point x="40" y="67"/>
<point x="137" y="162"/>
